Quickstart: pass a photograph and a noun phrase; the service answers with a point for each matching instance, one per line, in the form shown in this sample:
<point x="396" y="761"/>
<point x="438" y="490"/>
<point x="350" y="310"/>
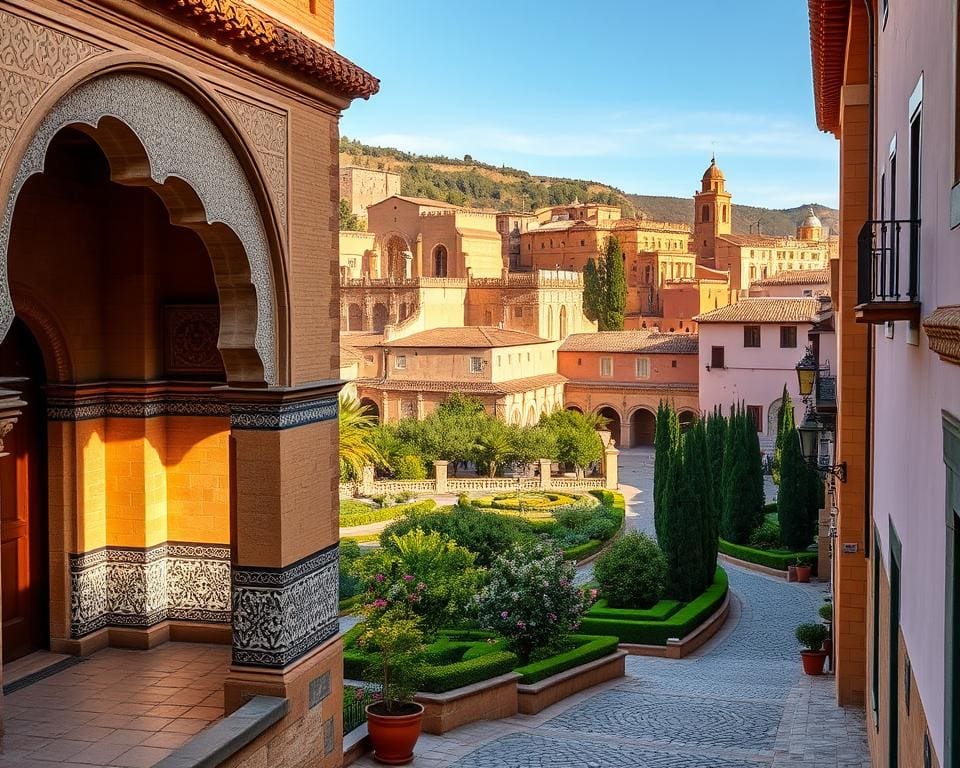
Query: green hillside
<point x="469" y="182"/>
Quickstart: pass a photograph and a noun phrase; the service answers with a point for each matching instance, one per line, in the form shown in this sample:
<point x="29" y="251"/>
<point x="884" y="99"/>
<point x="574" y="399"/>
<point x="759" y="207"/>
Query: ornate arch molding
<point x="154" y="135"/>
<point x="48" y="333"/>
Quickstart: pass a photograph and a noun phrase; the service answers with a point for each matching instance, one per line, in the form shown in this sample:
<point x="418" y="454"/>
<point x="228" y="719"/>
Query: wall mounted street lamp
<point x="811" y="428"/>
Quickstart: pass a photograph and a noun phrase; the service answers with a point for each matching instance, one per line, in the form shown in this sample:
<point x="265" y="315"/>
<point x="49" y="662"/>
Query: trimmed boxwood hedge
<point x="589" y="648"/>
<point x="614" y="505"/>
<point x="659" y="612"/>
<point x="350" y="603"/>
<point x="680" y="624"/>
<point x="581" y="551"/>
<point x="770" y="558"/>
<point x="371" y="515"/>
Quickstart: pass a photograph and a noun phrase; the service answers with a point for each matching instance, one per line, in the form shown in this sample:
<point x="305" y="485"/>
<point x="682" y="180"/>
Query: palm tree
<point x="356" y="450"/>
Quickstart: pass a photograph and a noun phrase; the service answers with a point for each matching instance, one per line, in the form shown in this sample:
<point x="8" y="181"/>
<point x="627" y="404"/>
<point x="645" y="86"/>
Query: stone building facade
<point x="175" y="340"/>
<point x="361" y="187"/>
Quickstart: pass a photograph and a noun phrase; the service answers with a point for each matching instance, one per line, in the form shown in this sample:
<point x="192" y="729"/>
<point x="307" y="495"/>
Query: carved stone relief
<point x="268" y="131"/>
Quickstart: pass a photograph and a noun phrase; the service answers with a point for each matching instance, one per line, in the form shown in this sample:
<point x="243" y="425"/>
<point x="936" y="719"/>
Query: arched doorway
<point x="23" y="504"/>
<point x="372" y="408"/>
<point x="687" y="419"/>
<point x="440" y="261"/>
<point x="354" y="318"/>
<point x="574" y="408"/>
<point x="613" y="422"/>
<point x="380" y="317"/>
<point x="644" y="424"/>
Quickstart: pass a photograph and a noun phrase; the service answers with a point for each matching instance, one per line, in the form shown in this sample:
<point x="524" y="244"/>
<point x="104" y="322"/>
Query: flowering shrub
<point x="530" y="599"/>
<point x="426" y="571"/>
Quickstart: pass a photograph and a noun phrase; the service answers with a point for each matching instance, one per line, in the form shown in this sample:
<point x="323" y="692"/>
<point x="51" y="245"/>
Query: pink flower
<point x="358" y="694"/>
<point x="380" y="577"/>
<point x="407" y="577"/>
<point x="379" y="603"/>
<point x="552" y="617"/>
<point x="504" y="614"/>
<point x="413" y="598"/>
<point x="593" y="594"/>
<point x="378" y="696"/>
<point x="521" y="625"/>
<point x="421" y="586"/>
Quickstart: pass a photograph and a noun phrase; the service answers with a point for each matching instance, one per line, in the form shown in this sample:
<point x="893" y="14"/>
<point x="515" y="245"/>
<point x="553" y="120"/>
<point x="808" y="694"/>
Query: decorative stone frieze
<point x="134" y="587"/>
<point x="273" y="416"/>
<point x="280" y="614"/>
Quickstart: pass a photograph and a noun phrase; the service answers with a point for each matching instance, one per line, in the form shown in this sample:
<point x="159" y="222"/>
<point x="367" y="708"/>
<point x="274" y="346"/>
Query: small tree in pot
<point x="811" y="637"/>
<point x="393" y="638"/>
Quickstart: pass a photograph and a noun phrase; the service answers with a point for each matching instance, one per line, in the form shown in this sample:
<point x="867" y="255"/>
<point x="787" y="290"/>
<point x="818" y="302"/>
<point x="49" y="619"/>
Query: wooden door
<point x="23" y="508"/>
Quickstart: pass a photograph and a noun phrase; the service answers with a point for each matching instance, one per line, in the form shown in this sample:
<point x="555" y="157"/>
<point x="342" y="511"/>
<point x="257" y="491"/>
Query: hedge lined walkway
<point x="741" y="702"/>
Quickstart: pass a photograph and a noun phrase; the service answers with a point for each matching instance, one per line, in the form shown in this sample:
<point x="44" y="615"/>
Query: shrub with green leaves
<point x="409" y="467"/>
<point x="435" y="575"/>
<point x="811" y="636"/>
<point x="487" y="534"/>
<point x="632" y="573"/>
<point x="767" y="536"/>
<point x="350" y="585"/>
<point x="530" y="599"/>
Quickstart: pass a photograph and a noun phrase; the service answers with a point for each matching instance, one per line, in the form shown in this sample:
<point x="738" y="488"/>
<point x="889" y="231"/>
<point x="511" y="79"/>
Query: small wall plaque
<point x="851" y="549"/>
<point x="319" y="689"/>
<point x="328" y="736"/>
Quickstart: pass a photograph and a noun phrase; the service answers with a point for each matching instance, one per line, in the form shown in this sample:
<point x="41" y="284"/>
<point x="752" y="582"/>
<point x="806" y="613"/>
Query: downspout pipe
<point x="871" y="170"/>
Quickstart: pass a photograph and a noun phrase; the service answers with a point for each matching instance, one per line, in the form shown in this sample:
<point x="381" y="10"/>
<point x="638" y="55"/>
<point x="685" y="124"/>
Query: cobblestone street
<point x="740" y="702"/>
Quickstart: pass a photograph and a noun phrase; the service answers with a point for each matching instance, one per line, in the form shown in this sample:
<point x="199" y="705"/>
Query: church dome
<point x="713" y="173"/>
<point x="812" y="221"/>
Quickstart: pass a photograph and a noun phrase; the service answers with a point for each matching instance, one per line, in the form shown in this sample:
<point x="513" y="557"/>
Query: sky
<point x="632" y="93"/>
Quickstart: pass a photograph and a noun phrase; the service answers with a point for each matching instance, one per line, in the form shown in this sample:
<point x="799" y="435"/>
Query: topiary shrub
<point x="601" y="528"/>
<point x="811" y="636"/>
<point x="409" y="467"/>
<point x="632" y="573"/>
<point x="767" y="536"/>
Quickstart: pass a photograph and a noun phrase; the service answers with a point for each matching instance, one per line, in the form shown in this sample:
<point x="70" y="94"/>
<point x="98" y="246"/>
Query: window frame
<point x="749" y="330"/>
<point x="606" y="362"/>
<point x="643" y="362"/>
<point x="476" y="364"/>
<point x="718" y="351"/>
<point x="400" y="362"/>
<point x="788" y="329"/>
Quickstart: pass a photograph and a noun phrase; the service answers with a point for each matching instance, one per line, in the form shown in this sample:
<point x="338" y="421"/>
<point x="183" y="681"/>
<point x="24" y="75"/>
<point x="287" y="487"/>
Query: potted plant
<point x="826" y="613"/>
<point x="803" y="571"/>
<point x="395" y="642"/>
<point x="791" y="572"/>
<point x="811" y="637"/>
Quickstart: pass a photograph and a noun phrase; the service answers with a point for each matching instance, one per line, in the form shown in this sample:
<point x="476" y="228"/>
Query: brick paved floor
<point x="116" y="708"/>
<point x="740" y="702"/>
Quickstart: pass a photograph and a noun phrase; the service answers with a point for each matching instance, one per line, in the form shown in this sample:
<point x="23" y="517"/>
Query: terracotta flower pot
<point x="394" y="736"/>
<point x="803" y="573"/>
<point x="813" y="661"/>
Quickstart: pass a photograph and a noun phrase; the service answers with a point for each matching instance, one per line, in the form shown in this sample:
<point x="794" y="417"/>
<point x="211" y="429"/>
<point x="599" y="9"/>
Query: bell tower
<point x="712" y="213"/>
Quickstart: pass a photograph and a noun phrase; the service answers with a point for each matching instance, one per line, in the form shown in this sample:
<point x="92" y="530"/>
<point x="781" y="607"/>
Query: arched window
<point x="563" y="322"/>
<point x="440" y="261"/>
<point x="724" y="214"/>
<point x="705" y="214"/>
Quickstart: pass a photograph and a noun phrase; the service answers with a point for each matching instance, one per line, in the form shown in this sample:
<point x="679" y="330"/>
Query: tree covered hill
<point x="469" y="182"/>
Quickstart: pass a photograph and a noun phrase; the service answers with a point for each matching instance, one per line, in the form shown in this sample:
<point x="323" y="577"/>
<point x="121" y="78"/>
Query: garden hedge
<point x="371" y="515"/>
<point x="680" y="624"/>
<point x="581" y="551"/>
<point x="660" y="612"/>
<point x="612" y="503"/>
<point x="439" y="679"/>
<point x="590" y="648"/>
<point x="771" y="558"/>
<point x="350" y="603"/>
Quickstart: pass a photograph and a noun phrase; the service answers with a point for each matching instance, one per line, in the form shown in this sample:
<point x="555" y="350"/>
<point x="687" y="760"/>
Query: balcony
<point x="888" y="256"/>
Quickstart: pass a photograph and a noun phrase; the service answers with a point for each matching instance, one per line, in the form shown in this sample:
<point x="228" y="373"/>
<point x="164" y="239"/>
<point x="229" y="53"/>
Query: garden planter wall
<point x="487" y="700"/>
<point x="678" y="648"/>
<point x="538" y="696"/>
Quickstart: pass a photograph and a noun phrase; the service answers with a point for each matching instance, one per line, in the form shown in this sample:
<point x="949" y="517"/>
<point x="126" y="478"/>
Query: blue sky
<point x="634" y="93"/>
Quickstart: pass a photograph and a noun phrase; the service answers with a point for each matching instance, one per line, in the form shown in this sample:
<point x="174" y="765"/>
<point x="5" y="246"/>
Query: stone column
<point x="440" y="474"/>
<point x="285" y="563"/>
<point x="611" y="468"/>
<point x="366" y="480"/>
<point x="407" y="265"/>
<point x="545" y="470"/>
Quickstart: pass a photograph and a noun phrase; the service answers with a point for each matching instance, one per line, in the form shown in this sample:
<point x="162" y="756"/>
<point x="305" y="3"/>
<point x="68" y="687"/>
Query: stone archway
<point x="156" y="136"/>
<point x="613" y="423"/>
<point x="687" y="419"/>
<point x="644" y="426"/>
<point x="354" y="317"/>
<point x="381" y="317"/>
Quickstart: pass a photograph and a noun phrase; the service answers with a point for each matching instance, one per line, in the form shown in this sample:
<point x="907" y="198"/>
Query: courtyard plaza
<point x="739" y="702"/>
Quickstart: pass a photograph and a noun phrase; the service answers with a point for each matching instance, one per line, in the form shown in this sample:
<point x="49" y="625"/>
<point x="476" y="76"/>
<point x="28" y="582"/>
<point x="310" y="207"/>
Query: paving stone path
<point x="740" y="702"/>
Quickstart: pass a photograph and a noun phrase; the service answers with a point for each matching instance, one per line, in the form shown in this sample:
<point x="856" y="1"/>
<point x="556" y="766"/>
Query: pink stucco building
<point x="750" y="349"/>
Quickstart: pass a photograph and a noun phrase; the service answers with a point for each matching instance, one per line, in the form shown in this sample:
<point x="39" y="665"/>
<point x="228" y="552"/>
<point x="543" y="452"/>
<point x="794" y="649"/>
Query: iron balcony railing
<point x="888" y="261"/>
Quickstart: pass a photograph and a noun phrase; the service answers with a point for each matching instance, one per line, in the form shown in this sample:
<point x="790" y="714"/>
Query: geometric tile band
<point x="280" y="614"/>
<point x="180" y="141"/>
<point x="133" y="587"/>
<point x="263" y="416"/>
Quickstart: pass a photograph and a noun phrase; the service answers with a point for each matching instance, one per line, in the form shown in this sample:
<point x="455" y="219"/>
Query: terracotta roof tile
<point x="469" y="387"/>
<point x="472" y="337"/>
<point x="796" y="277"/>
<point x="764" y="310"/>
<point x="647" y="342"/>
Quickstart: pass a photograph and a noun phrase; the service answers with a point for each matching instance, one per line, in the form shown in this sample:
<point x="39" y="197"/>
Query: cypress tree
<point x="785" y="419"/>
<point x="793" y="507"/>
<point x="683" y="543"/>
<point x="614" y="287"/>
<point x="737" y="519"/>
<point x="661" y="463"/>
<point x="716" y="437"/>
<point x="592" y="299"/>
<point x="708" y="507"/>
